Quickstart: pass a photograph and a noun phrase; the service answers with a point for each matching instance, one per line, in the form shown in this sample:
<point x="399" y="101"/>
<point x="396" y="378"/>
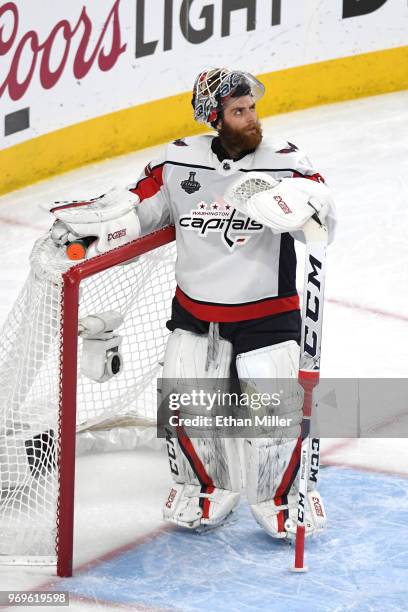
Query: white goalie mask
<point x="214" y="85"/>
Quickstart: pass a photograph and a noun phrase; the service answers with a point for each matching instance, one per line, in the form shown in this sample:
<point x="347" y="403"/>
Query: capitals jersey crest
<point x="234" y="229"/>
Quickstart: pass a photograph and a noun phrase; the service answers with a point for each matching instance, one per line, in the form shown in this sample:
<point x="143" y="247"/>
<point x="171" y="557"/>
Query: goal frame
<point x="68" y="380"/>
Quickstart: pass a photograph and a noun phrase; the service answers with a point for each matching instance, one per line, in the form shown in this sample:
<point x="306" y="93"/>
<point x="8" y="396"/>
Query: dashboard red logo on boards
<point x="14" y="44"/>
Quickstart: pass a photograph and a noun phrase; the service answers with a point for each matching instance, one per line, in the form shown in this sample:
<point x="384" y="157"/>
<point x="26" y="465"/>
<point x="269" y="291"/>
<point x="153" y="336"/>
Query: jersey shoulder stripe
<point x="150" y="184"/>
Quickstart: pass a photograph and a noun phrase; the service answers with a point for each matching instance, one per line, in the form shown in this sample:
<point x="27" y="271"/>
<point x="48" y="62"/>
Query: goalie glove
<point x="102" y="223"/>
<point x="283" y="206"/>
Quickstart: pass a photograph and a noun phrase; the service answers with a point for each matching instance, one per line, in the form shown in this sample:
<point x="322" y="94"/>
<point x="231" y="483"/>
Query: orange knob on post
<point x="77" y="250"/>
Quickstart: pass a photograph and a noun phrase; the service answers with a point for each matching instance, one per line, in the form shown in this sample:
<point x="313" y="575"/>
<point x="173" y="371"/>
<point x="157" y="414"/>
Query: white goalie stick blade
<point x="309" y="363"/>
<point x="282" y="205"/>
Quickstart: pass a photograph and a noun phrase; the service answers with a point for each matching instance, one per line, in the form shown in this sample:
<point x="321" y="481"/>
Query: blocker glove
<point x="97" y="225"/>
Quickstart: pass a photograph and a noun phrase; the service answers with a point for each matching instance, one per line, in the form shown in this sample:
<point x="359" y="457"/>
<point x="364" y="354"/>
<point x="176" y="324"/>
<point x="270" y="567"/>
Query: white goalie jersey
<point x="229" y="267"/>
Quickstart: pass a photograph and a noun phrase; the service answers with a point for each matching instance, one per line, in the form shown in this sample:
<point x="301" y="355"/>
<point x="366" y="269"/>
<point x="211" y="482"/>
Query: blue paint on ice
<point x="359" y="564"/>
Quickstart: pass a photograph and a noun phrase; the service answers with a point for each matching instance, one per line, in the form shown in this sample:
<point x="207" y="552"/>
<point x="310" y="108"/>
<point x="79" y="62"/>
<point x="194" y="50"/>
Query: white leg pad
<point x="206" y="470"/>
<point x="271" y="468"/>
<point x="272" y="462"/>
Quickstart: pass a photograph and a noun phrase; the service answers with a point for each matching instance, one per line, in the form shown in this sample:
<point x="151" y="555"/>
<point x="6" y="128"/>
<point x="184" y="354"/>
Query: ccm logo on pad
<point x="117" y="234"/>
<point x="282" y="204"/>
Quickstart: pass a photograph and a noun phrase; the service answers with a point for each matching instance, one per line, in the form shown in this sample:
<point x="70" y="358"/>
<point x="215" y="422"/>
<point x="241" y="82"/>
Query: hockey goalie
<point x="235" y="313"/>
<point x="236" y="309"/>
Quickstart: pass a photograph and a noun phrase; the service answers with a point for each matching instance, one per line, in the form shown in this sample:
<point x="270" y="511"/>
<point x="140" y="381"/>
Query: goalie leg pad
<point x="273" y="371"/>
<point x="206" y="470"/>
<point x="272" y="462"/>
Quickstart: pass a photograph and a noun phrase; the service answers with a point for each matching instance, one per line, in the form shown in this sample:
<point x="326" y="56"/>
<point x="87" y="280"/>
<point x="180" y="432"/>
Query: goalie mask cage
<point x="44" y="398"/>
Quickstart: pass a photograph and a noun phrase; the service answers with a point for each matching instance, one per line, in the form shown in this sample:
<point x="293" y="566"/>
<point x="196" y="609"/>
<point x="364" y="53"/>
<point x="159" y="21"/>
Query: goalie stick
<point x="309" y="362"/>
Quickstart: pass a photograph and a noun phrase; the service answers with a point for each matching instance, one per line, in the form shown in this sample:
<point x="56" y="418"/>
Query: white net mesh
<point x="141" y="292"/>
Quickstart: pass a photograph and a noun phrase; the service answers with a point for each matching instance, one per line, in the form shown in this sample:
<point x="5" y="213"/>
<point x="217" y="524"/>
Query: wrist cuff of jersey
<point x="222" y="313"/>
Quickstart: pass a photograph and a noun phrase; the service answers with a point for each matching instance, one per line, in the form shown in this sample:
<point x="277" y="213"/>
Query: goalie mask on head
<point x="214" y="86"/>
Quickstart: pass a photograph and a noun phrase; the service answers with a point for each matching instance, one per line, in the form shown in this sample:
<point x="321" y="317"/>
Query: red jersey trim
<point x="313" y="177"/>
<point x="148" y="186"/>
<point x="220" y="313"/>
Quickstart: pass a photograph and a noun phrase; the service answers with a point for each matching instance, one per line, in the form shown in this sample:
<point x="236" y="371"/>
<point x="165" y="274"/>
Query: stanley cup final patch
<point x="234" y="228"/>
<point x="190" y="185"/>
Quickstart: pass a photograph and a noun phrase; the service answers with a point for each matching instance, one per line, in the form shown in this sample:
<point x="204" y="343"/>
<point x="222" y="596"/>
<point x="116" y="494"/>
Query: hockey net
<point x="45" y="400"/>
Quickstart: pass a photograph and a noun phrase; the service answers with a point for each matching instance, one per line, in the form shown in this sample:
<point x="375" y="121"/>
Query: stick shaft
<point x="309" y="362"/>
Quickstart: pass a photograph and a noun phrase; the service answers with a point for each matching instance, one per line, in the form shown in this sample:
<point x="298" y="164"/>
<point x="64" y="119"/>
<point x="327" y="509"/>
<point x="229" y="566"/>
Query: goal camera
<point x="101" y="356"/>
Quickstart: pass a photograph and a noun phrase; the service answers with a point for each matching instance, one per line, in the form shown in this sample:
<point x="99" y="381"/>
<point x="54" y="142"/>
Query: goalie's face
<point x="239" y="128"/>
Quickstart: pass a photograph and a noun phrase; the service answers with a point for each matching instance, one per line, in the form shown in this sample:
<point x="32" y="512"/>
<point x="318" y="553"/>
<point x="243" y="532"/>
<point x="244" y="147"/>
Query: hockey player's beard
<point x="238" y="141"/>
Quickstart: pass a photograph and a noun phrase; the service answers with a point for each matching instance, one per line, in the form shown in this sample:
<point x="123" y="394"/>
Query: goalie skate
<point x="198" y="507"/>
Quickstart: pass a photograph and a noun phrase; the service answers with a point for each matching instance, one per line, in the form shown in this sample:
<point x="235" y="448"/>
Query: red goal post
<point x="68" y="379"/>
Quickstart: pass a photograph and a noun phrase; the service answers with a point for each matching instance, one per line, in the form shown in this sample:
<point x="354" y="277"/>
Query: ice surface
<point x="360" y="563"/>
